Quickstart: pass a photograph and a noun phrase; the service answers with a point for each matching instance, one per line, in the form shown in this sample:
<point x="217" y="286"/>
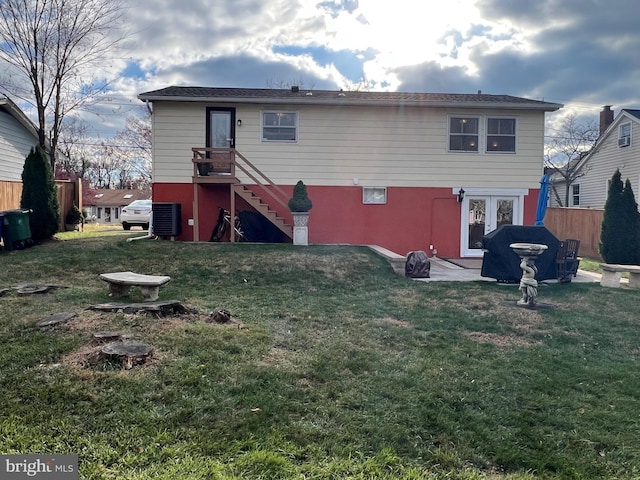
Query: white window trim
<point x="296" y="128"/>
<point x="515" y="135"/>
<point x="573" y="195"/>
<point x="449" y="133"/>
<point x="483" y="133"/>
<point x="621" y="136"/>
<point x="366" y="201"/>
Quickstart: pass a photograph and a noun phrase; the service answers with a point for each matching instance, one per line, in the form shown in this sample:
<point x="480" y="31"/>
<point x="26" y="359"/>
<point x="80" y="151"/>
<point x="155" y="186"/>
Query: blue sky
<point x="582" y="53"/>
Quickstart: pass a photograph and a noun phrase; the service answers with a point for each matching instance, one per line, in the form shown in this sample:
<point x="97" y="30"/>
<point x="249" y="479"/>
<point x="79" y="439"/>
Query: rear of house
<point x="407" y="171"/>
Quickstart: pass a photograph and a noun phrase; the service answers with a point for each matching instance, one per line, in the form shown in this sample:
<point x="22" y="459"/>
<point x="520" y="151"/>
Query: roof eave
<point x="547" y="107"/>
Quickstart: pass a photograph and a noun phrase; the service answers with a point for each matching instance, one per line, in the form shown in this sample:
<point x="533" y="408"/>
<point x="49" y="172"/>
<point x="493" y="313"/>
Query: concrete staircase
<point x="263" y="209"/>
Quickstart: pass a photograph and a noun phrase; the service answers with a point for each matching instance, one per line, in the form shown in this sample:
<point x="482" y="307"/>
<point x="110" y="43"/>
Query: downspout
<point x="148" y="235"/>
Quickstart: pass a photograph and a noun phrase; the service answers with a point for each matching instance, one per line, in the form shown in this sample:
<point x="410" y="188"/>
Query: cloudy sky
<point x="582" y="53"/>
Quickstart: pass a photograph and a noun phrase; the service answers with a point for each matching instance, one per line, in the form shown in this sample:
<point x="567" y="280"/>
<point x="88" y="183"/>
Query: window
<point x="501" y="135"/>
<point x="279" y="126"/>
<point x="575" y="195"/>
<point x="624" y="135"/>
<point x="463" y="134"/>
<point x="374" y="195"/>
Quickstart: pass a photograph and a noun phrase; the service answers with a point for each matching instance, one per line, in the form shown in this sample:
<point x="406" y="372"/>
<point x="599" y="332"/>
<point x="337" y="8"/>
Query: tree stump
<point x="103" y="337"/>
<point x="221" y="316"/>
<point x="55" y="319"/>
<point x="161" y="308"/>
<point x="31" y="288"/>
<point x="128" y="353"/>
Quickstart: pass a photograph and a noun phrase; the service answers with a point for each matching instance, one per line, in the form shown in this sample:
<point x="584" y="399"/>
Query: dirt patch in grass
<point x="501" y="340"/>
<point x="392" y="321"/>
<point x="138" y="327"/>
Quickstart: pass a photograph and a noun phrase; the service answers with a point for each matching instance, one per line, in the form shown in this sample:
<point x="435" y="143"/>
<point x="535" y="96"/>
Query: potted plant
<point x="73" y="219"/>
<point x="300" y="204"/>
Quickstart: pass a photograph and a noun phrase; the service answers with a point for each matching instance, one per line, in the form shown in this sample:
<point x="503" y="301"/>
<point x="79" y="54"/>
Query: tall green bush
<point x="300" y="202"/>
<point x="39" y="195"/>
<point x="620" y="234"/>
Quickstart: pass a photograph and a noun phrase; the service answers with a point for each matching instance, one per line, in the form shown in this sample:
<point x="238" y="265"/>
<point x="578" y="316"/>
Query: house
<point x="618" y="147"/>
<point x="17" y="136"/>
<point x="406" y="171"/>
<point x="105" y="205"/>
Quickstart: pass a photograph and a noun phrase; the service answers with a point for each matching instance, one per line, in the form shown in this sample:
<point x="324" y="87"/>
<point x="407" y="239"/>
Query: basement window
<point x="374" y="195"/>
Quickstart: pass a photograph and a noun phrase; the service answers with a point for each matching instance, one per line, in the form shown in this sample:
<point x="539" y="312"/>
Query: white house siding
<point x="603" y="163"/>
<point x="15" y="143"/>
<point x="378" y="146"/>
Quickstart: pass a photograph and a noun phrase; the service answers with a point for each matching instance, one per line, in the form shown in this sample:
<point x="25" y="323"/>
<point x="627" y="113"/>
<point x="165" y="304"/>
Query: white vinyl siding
<point x="602" y="165"/>
<point x="391" y="146"/>
<point x="15" y="143"/>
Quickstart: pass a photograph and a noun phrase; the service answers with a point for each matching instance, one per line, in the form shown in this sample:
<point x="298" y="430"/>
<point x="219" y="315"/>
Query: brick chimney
<point x="606" y="118"/>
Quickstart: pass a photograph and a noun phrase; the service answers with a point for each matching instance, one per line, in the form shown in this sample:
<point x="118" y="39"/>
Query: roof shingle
<point x="337" y="97"/>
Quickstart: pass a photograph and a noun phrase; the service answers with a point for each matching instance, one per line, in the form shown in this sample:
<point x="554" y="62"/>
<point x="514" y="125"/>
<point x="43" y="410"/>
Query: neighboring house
<point x="407" y="171"/>
<point x="17" y="136"/>
<point x="105" y="205"/>
<point x="618" y="147"/>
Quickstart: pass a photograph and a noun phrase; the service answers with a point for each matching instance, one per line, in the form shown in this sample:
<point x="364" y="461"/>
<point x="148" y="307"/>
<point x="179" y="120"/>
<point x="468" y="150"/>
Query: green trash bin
<point x="16" y="232"/>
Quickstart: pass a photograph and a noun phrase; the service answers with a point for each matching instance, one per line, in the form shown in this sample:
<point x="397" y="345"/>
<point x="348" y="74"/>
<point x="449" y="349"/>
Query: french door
<point x="482" y="214"/>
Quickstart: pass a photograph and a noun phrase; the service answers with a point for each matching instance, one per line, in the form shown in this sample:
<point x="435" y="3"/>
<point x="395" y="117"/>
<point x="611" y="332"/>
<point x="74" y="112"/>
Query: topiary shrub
<point x="39" y="195"/>
<point x="620" y="233"/>
<point x="300" y="202"/>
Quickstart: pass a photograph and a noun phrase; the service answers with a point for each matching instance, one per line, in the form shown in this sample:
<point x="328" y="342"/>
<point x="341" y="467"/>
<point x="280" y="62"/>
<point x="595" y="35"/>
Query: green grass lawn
<point x="333" y="368"/>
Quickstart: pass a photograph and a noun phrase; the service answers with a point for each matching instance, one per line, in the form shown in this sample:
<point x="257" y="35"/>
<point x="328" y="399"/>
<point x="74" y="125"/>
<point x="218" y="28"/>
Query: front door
<point x="221" y="134"/>
<point x="482" y="214"/>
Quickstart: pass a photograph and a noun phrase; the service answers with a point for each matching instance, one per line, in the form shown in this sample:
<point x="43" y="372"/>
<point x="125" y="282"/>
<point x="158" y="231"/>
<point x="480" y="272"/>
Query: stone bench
<point x="120" y="284"/>
<point x="611" y="274"/>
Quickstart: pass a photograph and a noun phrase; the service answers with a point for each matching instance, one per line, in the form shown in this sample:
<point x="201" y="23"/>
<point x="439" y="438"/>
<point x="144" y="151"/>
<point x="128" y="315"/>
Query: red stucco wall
<point x="412" y="218"/>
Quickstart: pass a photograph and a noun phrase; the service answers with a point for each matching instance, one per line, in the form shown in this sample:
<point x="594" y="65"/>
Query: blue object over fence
<point x="543" y="198"/>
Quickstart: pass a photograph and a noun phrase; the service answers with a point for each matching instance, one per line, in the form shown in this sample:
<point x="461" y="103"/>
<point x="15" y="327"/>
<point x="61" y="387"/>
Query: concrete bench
<point x="611" y="274"/>
<point x="120" y="284"/>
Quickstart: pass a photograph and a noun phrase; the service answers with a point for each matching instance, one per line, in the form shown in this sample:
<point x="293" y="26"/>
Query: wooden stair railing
<point x="221" y="165"/>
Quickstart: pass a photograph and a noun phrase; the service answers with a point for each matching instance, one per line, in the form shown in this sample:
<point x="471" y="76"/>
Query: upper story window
<point x="279" y="126"/>
<point x="575" y="195"/>
<point x="464" y="134"/>
<point x="501" y="135"/>
<point x="624" y="135"/>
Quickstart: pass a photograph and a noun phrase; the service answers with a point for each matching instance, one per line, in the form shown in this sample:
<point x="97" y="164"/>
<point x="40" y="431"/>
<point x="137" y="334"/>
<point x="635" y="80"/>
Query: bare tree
<point x="73" y="145"/>
<point x="565" y="150"/>
<point x="133" y="145"/>
<point x="50" y="46"/>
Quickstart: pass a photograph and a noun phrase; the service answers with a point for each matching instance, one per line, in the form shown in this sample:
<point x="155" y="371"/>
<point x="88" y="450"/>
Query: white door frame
<point x="491" y="195"/>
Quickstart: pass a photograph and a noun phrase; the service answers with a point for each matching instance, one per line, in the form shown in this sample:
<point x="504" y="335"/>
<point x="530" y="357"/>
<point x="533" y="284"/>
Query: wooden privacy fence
<point x="69" y="193"/>
<point x="583" y="224"/>
<point x="10" y="193"/>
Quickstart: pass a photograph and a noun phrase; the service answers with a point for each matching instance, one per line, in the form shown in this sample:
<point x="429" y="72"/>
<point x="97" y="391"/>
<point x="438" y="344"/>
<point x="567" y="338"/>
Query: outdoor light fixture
<point x="239" y="123"/>
<point x="460" y="195"/>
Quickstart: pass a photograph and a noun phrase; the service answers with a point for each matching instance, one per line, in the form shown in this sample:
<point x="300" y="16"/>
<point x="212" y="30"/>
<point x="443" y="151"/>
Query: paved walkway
<point x="444" y="271"/>
<point x="441" y="270"/>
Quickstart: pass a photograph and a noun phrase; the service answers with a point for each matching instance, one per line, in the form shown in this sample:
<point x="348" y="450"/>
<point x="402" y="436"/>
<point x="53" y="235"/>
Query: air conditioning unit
<point x="624" y="141"/>
<point x="167" y="219"/>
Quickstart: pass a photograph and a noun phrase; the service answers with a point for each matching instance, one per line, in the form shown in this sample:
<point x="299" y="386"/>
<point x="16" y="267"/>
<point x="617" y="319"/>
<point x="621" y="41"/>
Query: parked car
<point x="138" y="213"/>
